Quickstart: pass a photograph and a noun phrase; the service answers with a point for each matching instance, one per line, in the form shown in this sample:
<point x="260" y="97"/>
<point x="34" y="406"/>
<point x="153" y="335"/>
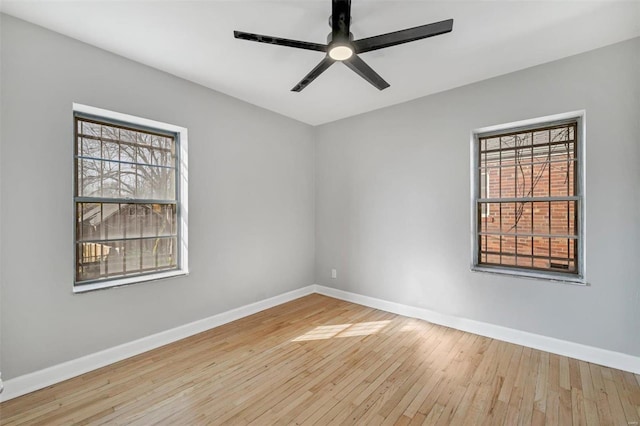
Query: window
<point x="130" y="199"/>
<point x="527" y="199"/>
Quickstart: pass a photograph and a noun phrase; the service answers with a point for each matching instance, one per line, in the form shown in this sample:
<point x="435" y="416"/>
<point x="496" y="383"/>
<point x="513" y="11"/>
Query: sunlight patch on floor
<point x="411" y="327"/>
<point x="342" y="330"/>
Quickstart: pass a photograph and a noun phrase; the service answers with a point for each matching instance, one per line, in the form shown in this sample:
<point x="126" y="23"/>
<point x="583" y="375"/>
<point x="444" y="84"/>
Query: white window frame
<point x="182" y="201"/>
<point x="578" y="278"/>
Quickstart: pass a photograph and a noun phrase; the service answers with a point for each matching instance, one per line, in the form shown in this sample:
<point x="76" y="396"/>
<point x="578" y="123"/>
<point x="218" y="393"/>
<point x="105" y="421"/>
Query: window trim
<point x="578" y="278"/>
<point x="181" y="135"/>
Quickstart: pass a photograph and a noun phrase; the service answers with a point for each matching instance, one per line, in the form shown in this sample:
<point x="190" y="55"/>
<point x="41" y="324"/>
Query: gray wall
<point x="393" y="201"/>
<point x="251" y="204"/>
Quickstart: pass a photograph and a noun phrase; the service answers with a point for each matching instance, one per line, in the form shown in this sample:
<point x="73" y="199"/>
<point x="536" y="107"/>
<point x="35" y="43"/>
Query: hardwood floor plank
<point x="626" y="390"/>
<point x="602" y="403"/>
<point x="614" y="400"/>
<point x="319" y="360"/>
<point x="526" y="407"/>
<point x="515" y="397"/>
<point x="578" y="416"/>
<point x="564" y="406"/>
<point x="564" y="374"/>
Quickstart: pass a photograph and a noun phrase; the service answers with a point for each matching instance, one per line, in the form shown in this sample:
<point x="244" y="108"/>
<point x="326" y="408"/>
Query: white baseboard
<point x="42" y="378"/>
<point x="579" y="351"/>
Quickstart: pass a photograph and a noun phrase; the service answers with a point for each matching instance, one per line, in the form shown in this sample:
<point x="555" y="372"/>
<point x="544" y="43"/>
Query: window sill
<point x="120" y="282"/>
<point x="518" y="273"/>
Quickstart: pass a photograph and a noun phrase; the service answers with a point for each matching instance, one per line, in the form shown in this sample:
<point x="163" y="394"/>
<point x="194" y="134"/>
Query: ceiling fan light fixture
<point x="340" y="52"/>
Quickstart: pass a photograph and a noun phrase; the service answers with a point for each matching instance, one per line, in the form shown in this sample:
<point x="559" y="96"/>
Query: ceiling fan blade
<point x="361" y="68"/>
<point x="280" y="41"/>
<point x="403" y="36"/>
<point x="340" y="19"/>
<point x="313" y="74"/>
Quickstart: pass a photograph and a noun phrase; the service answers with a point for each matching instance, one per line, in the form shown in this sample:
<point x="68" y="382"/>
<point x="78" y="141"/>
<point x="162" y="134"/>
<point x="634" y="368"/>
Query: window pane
<point x="149" y="253"/>
<point x="492" y="243"/>
<point x="91" y="148"/>
<point x="483" y="184"/>
<point x="558" y="134"/>
<point x="110" y="133"/>
<point x="114" y="220"/>
<point x="144" y="154"/>
<point x="144" y="138"/>
<point x="127" y="135"/>
<point x="508" y="259"/>
<point x="111" y="151"/>
<point x="163" y="156"/>
<point x="507" y="214"/>
<point x="560" y="181"/>
<point x="115" y="259"/>
<point x="128" y="180"/>
<point x="89" y="179"/>
<point x="165" y="217"/>
<point x="132" y="256"/>
<point x="91" y="258"/>
<point x="158" y="142"/>
<point x="91" y="129"/>
<point x="492" y="219"/>
<point x="128" y="153"/>
<point x="492" y="143"/>
<point x="524" y="251"/>
<point x="89" y="215"/>
<point x="541" y="252"/>
<point x="524" y="178"/>
<point x="541" y="247"/>
<point x="524" y="139"/>
<point x="508" y="244"/>
<point x="110" y="179"/>
<point x="560" y="217"/>
<point x="507" y="142"/>
<point x="148" y="220"/>
<point x="573" y="207"/>
<point x="507" y="183"/>
<point x="155" y="183"/>
<point x="541" y="137"/>
<point x="541" y="217"/>
<point x="561" y="250"/>
<point x="540" y="180"/>
<point x="172" y="211"/>
<point x="108" y="225"/>
<point x="146" y="180"/>
<point x="167" y="252"/>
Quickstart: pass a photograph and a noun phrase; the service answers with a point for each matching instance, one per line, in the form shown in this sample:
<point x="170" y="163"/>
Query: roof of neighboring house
<point x="101" y="212"/>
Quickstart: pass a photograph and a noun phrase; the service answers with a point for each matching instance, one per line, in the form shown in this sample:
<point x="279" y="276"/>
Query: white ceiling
<point x="194" y="40"/>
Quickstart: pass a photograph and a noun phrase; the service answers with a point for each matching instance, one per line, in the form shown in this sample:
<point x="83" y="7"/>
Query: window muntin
<point x="126" y="198"/>
<point x="528" y="198"/>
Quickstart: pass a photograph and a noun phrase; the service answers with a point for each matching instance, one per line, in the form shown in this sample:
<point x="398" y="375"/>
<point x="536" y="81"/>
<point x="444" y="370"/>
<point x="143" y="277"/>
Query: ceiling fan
<point x="342" y="47"/>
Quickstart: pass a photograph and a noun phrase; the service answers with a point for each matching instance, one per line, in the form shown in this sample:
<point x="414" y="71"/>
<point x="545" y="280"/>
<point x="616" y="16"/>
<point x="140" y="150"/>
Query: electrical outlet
<point x="334" y="274"/>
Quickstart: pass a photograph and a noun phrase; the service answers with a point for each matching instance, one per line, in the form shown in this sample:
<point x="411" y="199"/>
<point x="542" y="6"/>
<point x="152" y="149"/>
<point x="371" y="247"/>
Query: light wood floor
<point x="318" y="360"/>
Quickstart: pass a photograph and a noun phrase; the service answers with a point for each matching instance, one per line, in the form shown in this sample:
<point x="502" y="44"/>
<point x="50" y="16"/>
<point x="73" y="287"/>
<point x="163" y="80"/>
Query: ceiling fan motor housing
<point x="330" y="39"/>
